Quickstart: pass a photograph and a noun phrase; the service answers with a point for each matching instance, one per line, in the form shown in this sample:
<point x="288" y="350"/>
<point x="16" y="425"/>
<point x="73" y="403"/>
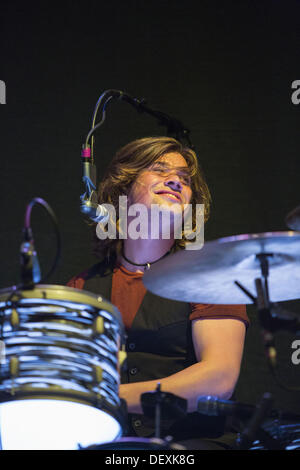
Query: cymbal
<point x="292" y="219"/>
<point x="208" y="275"/>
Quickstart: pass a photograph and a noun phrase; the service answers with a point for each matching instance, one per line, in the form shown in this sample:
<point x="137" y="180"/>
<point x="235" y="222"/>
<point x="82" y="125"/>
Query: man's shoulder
<point x="101" y="268"/>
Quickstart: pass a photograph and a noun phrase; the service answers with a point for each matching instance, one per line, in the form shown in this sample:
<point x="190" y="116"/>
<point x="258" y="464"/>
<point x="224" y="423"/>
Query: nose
<point x="174" y="183"/>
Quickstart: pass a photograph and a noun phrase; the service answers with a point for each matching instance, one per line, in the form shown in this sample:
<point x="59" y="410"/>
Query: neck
<point x="143" y="252"/>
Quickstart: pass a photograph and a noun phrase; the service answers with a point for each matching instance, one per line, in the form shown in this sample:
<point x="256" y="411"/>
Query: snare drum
<point x="59" y="376"/>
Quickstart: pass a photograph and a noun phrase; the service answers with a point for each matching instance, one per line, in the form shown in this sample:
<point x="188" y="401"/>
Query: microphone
<point x="89" y="203"/>
<point x="292" y="220"/>
<point x="213" y="406"/>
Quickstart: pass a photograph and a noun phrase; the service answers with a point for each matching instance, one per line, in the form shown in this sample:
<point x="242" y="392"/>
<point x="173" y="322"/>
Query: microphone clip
<point x="30" y="270"/>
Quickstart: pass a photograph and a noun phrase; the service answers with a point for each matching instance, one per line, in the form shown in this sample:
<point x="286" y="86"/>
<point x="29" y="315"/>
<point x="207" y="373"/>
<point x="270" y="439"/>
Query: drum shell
<point x="61" y="344"/>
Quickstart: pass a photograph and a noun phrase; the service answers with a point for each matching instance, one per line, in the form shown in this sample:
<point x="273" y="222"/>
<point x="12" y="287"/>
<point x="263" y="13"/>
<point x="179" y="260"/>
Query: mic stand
<point x="30" y="267"/>
<point x="173" y="125"/>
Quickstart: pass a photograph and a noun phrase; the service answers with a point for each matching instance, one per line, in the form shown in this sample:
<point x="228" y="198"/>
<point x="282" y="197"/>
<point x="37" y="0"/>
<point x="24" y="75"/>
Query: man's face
<point x="166" y="187"/>
<point x="166" y="183"/>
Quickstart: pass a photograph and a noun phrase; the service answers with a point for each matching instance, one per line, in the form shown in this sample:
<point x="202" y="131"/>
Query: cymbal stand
<point x="253" y="429"/>
<point x="269" y="321"/>
<point x="262" y="303"/>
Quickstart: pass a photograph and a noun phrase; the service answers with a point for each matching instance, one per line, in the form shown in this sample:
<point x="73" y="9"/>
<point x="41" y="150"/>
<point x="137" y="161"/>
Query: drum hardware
<point x="253" y="429"/>
<point x="98" y="326"/>
<point x="157" y="405"/>
<point x="292" y="219"/>
<point x="160" y="405"/>
<point x="267" y="316"/>
<point x="280" y="433"/>
<point x="271" y="318"/>
<point x="257" y="426"/>
<point x="30" y="268"/>
<point x="284" y="430"/>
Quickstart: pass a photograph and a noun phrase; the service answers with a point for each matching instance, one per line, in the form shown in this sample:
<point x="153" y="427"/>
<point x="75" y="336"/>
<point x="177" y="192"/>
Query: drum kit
<point x="62" y="347"/>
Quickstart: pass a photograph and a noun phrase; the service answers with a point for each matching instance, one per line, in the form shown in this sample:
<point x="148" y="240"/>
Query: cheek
<point x="140" y="191"/>
<point x="188" y="196"/>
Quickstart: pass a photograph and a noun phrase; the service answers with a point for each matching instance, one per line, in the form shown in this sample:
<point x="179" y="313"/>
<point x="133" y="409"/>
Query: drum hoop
<point x="65" y="294"/>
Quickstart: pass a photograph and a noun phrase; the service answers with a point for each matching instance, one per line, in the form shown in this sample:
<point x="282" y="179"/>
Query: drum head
<point x="54" y="425"/>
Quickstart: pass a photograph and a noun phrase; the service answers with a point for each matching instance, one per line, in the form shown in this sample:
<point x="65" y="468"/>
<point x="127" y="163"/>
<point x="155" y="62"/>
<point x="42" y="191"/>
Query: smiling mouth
<point x="172" y="196"/>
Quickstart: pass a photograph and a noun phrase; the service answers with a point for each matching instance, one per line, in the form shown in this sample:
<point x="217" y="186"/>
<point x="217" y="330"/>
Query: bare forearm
<point x="190" y="383"/>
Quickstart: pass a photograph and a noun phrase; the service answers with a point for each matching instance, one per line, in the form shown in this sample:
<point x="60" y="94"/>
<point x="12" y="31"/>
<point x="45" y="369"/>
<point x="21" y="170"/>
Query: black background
<point x="224" y="69"/>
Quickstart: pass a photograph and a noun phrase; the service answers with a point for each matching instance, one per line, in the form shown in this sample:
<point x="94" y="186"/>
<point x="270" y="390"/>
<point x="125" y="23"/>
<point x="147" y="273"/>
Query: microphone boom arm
<point x="89" y="205"/>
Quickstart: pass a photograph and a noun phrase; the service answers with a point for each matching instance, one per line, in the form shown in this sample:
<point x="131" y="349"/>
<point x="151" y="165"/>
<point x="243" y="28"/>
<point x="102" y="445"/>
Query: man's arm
<point x="218" y="344"/>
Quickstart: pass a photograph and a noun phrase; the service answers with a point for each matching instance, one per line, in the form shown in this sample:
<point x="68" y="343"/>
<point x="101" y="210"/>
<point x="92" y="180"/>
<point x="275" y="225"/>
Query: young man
<point x="192" y="350"/>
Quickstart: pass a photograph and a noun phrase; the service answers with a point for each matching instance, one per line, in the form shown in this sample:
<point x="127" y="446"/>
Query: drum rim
<point x="57" y="291"/>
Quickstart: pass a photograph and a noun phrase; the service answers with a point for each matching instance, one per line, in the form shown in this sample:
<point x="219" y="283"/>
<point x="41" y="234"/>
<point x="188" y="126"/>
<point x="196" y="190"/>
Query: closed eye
<point x="163" y="168"/>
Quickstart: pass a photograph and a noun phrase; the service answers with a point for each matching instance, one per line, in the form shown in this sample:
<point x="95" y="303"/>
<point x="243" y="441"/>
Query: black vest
<point x="158" y="344"/>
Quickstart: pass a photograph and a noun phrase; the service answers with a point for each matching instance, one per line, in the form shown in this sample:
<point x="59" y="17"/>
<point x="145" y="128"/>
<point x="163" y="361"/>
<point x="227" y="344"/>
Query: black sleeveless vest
<point x="158" y="344"/>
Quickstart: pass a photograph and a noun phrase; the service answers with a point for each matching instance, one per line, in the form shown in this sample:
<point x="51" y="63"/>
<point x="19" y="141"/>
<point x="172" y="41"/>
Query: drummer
<point x="191" y="349"/>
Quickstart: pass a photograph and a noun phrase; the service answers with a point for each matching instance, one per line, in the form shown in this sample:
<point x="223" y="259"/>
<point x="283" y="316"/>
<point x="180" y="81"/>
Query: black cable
<point x="101" y="104"/>
<point x="28" y="232"/>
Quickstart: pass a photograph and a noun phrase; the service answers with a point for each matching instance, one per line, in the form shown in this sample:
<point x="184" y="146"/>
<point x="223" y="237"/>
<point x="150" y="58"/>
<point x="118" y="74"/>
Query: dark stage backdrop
<point x="225" y="69"/>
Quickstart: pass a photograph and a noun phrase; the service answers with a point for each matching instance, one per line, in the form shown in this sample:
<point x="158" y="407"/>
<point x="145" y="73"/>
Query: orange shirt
<point x="128" y="292"/>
